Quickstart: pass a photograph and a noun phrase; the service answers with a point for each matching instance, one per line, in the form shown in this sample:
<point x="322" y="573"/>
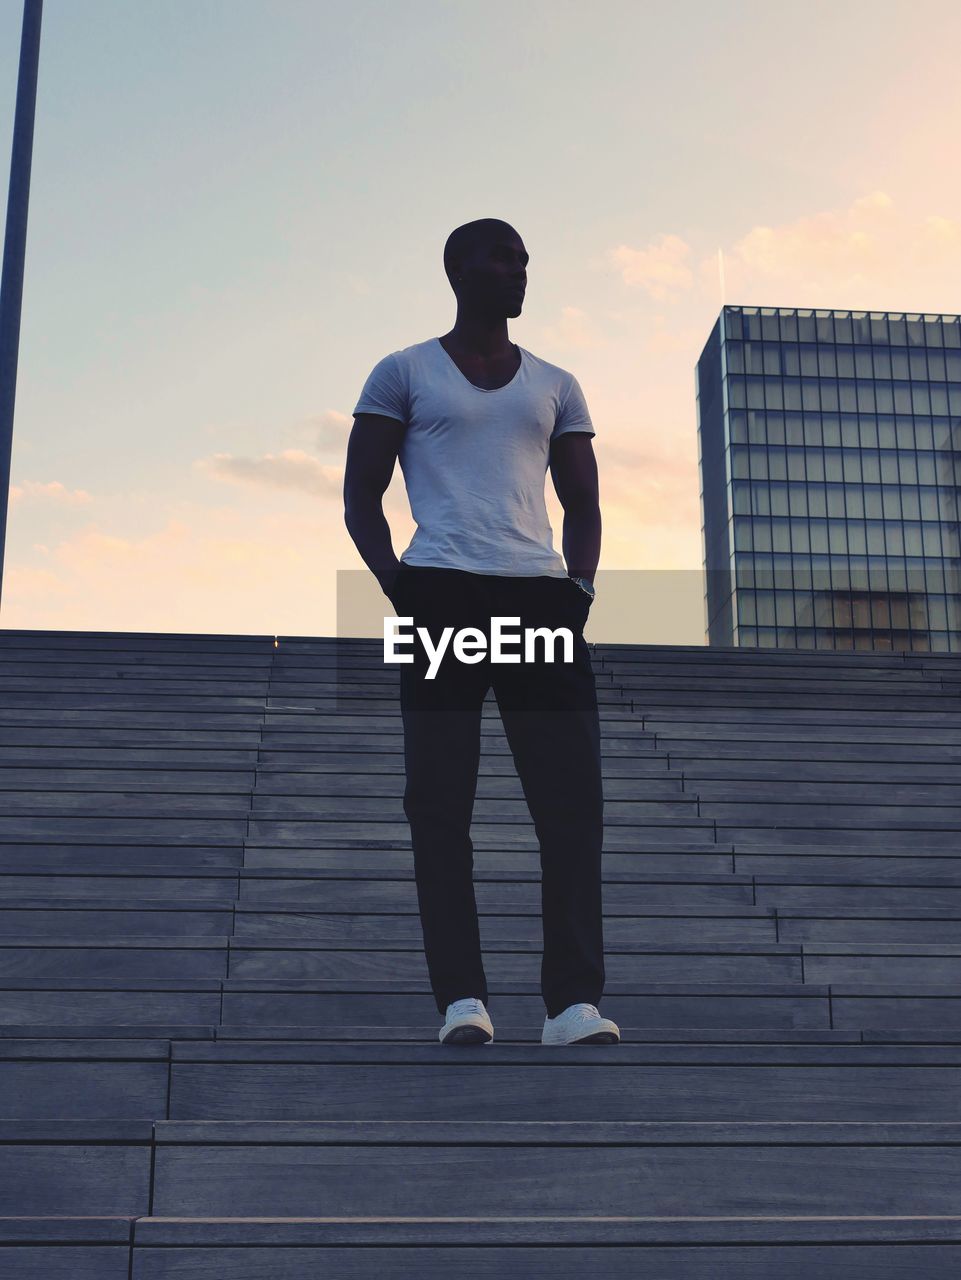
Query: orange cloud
<point x="661" y="268"/>
<point x="50" y="491"/>
<point x="289" y="469"/>
<point x="870" y="255"/>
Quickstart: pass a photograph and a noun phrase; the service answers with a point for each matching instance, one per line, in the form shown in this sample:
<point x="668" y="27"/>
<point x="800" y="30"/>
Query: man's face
<point x="495" y="277"/>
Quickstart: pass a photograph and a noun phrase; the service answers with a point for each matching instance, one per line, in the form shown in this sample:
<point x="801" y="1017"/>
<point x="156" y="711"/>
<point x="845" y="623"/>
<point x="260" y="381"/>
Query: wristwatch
<point x="584" y="585"/>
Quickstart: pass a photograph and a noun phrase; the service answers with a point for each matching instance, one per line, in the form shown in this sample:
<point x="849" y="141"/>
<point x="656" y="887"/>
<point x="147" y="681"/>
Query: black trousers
<point x="550" y="718"/>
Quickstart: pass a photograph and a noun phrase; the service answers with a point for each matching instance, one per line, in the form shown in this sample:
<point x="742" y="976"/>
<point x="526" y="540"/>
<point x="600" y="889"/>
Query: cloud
<point x="50" y="491"/>
<point x="326" y="430"/>
<point x="847" y="242"/>
<point x="868" y="255"/>
<point x="291" y="469"/>
<point x="661" y="268"/>
<point x="210" y="569"/>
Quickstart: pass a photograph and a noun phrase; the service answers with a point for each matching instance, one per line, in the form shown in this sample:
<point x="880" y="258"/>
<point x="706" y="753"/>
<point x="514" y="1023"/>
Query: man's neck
<point x="479" y="336"/>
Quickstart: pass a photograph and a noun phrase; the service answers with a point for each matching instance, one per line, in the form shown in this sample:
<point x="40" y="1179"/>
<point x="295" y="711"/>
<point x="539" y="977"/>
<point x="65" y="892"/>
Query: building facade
<point x="829" y="450"/>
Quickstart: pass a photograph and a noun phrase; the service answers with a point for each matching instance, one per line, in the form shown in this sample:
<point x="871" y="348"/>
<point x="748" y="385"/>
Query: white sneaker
<point x="467" y="1022"/>
<point x="580" y="1024"/>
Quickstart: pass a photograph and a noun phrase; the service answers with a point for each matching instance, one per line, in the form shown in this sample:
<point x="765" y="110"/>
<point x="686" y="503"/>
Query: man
<point x="475" y="421"/>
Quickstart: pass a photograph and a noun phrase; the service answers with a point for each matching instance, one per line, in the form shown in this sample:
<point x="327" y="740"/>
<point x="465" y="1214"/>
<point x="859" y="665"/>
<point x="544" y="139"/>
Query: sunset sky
<point x="238" y="206"/>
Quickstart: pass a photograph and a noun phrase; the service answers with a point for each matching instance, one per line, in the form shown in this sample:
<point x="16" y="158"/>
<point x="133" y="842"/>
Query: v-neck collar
<point x="486" y="390"/>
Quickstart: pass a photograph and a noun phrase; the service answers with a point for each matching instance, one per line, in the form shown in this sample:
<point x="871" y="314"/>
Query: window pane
<point x="863" y="364"/>
<point x="851" y="465"/>
<point x="817" y="500"/>
<point x="788" y="328"/>
<point x="912" y="539"/>
<point x="784" y="608"/>
<point x="769" y="325"/>
<point x="879" y="327"/>
<point x="884" y="397"/>
<point x="910" y="504"/>
<point x="932" y="331"/>
<point x="915" y="331"/>
<point x="920" y="398"/>
<point x="931" y="539"/>
<point x="810" y="394"/>
<point x="779" y="499"/>
<point x="812" y="429"/>
<point x="865" y="392"/>
<point x="861" y="326"/>
<point x="902" y="397"/>
<point x="882" y="362"/>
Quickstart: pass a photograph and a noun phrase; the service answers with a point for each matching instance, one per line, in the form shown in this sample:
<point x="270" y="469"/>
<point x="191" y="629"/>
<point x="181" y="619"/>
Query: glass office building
<point x="829" y="449"/>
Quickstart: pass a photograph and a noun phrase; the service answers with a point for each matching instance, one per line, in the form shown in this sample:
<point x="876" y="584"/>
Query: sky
<point x="237" y="207"/>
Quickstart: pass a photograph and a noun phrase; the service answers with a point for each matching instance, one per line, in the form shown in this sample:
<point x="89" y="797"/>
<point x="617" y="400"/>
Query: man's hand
<point x="371" y="455"/>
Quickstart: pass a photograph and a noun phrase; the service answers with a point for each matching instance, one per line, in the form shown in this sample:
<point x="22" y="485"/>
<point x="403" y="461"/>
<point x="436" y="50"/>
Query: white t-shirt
<point x="475" y="460"/>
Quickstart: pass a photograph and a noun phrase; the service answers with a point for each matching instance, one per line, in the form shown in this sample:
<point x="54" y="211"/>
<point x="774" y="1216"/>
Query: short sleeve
<point x="573" y="414"/>
<point x="385" y="391"/>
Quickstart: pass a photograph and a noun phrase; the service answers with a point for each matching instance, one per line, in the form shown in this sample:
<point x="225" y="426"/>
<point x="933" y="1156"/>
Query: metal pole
<point x="15" y="244"/>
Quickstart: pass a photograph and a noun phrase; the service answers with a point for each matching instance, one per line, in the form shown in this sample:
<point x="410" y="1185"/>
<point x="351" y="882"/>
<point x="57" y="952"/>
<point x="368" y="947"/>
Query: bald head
<point x="464" y="241"/>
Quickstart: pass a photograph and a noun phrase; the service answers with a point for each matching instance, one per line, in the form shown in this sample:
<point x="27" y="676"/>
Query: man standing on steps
<point x="476" y="420"/>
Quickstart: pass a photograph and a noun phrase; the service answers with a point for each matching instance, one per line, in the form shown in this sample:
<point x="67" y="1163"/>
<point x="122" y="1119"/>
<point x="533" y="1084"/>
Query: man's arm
<point x="574" y="473"/>
<point x="371" y="453"/>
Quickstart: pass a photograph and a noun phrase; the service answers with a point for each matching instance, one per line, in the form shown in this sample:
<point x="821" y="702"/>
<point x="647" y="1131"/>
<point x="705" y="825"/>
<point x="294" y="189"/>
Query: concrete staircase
<point x="218" y="1046"/>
